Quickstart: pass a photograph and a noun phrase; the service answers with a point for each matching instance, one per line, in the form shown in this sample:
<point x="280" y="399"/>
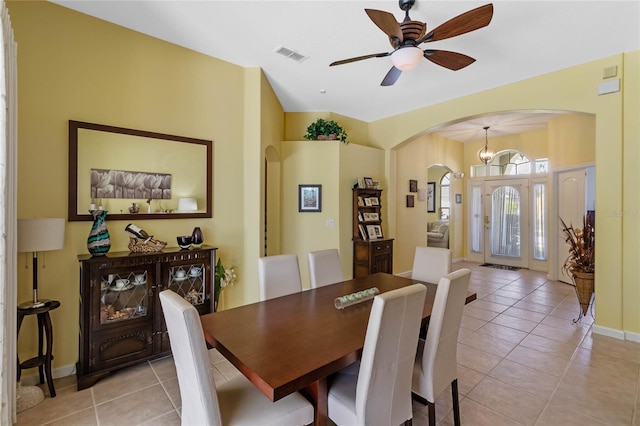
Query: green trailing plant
<point x="325" y="130"/>
<point x="223" y="277"/>
<point x="582" y="246"/>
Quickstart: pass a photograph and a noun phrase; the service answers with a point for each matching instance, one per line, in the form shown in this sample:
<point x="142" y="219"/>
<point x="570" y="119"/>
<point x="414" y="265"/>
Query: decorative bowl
<point x="184" y="241"/>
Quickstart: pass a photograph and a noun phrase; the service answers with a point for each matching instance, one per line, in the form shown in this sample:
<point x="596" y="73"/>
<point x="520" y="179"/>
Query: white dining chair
<point x="436" y="363"/>
<point x="324" y="267"/>
<point x="380" y="393"/>
<point x="278" y="276"/>
<point x="430" y="264"/>
<point x="234" y="402"/>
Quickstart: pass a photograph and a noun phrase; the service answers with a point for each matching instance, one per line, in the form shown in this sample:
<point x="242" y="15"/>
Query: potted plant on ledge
<point x="580" y="263"/>
<point x="325" y="130"/>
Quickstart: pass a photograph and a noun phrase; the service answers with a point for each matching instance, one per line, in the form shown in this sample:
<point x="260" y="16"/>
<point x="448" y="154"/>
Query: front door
<point x="506" y="222"/>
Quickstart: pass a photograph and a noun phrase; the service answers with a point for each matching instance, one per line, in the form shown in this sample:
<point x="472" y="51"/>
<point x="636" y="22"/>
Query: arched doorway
<point x="440" y="208"/>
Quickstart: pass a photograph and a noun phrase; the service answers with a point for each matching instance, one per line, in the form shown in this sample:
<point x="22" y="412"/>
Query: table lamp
<point x="38" y="235"/>
<point x="187" y="205"/>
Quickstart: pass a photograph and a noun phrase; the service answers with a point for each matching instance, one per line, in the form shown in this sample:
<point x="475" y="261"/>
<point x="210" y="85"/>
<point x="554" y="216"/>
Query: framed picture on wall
<point x="309" y="198"/>
<point x="410" y="201"/>
<point x="413" y="185"/>
<point x="431" y="197"/>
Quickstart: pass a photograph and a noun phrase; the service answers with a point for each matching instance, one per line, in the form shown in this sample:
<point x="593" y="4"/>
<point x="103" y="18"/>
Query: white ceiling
<point x="524" y="39"/>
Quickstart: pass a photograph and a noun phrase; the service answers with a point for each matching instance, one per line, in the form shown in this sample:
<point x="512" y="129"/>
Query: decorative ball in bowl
<point x="184" y="241"/>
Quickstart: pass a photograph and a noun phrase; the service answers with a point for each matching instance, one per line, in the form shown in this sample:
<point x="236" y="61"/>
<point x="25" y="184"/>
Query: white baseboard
<point x="610" y="332"/>
<point x="631" y="336"/>
<point x="457" y="260"/>
<point x="32" y="379"/>
<point x="406" y="274"/>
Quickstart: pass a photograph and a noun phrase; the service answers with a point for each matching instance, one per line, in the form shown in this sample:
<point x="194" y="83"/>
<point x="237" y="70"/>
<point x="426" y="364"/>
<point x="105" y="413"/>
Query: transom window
<point x="511" y="163"/>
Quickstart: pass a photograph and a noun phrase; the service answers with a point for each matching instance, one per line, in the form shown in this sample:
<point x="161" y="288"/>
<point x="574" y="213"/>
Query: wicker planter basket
<point x="145" y="246"/>
<point x="585" y="288"/>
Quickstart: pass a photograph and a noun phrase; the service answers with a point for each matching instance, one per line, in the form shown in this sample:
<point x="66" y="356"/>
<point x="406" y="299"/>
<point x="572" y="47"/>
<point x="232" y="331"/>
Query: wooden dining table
<point x="295" y="342"/>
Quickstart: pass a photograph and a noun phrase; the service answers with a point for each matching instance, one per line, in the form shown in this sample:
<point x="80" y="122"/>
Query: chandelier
<point x="485" y="154"/>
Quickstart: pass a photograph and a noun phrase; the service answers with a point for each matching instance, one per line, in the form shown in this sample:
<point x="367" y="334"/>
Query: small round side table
<point x="42" y="361"/>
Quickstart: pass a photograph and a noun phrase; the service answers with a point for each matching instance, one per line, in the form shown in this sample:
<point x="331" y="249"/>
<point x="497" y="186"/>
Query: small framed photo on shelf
<point x="413" y="185"/>
<point x="309" y="198"/>
<point x="361" y="183"/>
<point x="376" y="184"/>
<point x="363" y="233"/>
<point x="374" y="201"/>
<point x="367" y="202"/>
<point x="371" y="217"/>
<point x="368" y="182"/>
<point x="371" y="232"/>
<point x="360" y="201"/>
<point x="374" y="231"/>
<point x="410" y="201"/>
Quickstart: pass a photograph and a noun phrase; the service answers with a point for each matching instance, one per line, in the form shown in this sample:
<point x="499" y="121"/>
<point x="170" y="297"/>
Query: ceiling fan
<point x="405" y="37"/>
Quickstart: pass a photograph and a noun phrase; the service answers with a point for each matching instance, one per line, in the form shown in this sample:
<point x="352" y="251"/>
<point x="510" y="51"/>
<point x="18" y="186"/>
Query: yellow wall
<point x="631" y="200"/>
<point x="415" y="157"/>
<point x="571" y="89"/>
<point x="358" y="161"/>
<point x="72" y="66"/>
<point x="336" y="167"/>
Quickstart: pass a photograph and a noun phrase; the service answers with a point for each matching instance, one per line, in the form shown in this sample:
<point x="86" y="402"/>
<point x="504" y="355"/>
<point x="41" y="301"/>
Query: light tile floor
<point x="522" y="361"/>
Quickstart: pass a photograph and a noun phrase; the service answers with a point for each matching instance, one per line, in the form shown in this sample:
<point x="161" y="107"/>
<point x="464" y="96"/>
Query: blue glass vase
<point x="99" y="241"/>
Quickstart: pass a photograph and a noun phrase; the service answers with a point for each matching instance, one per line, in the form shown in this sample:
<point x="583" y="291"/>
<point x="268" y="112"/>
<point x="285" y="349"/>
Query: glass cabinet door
<point x="124" y="295"/>
<point x="189" y="282"/>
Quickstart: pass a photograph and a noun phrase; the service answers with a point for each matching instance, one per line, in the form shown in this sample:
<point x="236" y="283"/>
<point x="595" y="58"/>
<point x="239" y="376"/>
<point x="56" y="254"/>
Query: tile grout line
<point x="569" y="364"/>
<point x="547" y="399"/>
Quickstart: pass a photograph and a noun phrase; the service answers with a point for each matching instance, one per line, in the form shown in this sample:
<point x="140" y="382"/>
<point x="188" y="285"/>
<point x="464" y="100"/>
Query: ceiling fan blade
<point x="452" y="60"/>
<point x="461" y="24"/>
<point x="391" y="77"/>
<point x="386" y="22"/>
<point x="360" y="58"/>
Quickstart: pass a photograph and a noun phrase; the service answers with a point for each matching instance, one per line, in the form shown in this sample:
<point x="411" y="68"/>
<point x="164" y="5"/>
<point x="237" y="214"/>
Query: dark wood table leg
<point x="317" y="393"/>
<point x="20" y="318"/>
<point x="45" y="331"/>
<point x="41" y="330"/>
<point x="49" y="355"/>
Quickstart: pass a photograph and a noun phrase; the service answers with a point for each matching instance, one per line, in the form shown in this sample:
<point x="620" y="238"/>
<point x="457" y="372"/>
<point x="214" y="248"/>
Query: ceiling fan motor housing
<point x="411" y="31"/>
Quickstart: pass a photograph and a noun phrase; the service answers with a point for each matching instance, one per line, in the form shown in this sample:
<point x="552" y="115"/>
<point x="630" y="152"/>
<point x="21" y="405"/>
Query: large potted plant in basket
<point x="325" y="130"/>
<point x="581" y="262"/>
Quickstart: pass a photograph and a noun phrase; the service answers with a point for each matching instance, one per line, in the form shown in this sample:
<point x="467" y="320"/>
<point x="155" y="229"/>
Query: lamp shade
<point x="187" y="205"/>
<point x="40" y="234"/>
<point x="406" y="58"/>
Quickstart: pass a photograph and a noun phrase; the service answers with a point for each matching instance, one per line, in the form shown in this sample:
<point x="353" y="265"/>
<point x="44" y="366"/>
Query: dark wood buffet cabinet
<point x="371" y="251"/>
<point x="121" y="320"/>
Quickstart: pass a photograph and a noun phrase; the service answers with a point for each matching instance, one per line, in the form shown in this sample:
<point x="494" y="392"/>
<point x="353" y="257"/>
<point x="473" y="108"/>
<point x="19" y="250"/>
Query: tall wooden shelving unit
<point x="371" y="251"/>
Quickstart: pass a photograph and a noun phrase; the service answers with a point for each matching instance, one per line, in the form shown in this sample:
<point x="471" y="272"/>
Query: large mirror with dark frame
<point x="135" y="174"/>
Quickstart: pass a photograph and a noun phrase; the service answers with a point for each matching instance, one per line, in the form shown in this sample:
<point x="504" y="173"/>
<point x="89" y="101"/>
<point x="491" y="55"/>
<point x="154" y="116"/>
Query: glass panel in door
<point x="506" y="223"/>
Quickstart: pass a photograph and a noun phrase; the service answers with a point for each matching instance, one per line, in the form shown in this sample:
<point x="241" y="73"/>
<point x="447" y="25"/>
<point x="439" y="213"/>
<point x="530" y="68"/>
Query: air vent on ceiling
<point x="291" y="54"/>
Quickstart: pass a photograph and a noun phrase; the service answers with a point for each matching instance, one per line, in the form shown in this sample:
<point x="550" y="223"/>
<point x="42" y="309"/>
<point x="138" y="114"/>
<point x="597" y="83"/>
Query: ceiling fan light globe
<point x="406" y="58"/>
